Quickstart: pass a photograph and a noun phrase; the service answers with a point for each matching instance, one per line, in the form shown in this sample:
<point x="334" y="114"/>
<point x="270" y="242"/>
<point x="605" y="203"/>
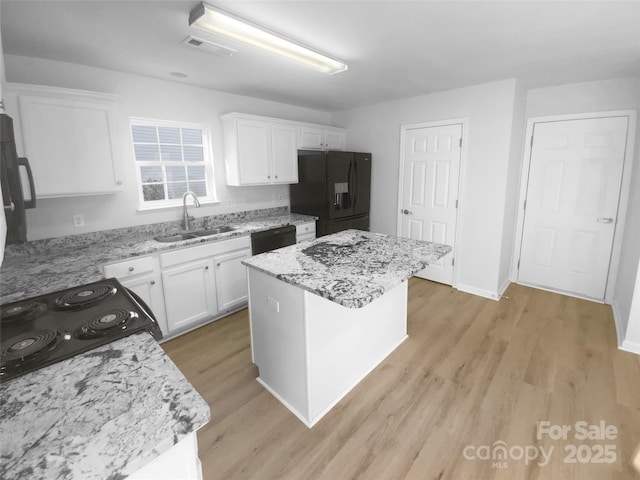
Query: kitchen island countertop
<point x="99" y="415"/>
<point x="351" y="268"/>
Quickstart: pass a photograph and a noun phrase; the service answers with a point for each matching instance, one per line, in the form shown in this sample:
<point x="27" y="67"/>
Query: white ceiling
<point x="395" y="49"/>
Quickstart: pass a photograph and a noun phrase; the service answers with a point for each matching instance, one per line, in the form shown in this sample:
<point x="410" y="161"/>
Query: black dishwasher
<point x="268" y="240"/>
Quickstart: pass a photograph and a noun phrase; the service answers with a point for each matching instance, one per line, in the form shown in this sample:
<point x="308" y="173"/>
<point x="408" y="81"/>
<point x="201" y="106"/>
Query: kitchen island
<point x="324" y="313"/>
<point x="122" y="410"/>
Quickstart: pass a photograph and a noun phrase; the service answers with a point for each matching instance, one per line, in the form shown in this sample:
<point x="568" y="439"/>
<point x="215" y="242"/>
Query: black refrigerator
<point x="335" y="187"/>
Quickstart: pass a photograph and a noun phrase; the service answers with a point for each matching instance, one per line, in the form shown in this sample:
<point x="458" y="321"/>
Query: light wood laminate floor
<point x="473" y="373"/>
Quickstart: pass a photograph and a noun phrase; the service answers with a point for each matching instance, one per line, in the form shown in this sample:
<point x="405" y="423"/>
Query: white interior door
<point x="573" y="192"/>
<point x="429" y="191"/>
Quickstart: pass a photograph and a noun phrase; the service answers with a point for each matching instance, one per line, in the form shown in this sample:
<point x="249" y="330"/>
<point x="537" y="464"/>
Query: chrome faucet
<point x="196" y="202"/>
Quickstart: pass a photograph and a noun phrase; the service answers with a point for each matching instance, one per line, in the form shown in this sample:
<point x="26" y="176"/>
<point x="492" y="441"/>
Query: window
<point x="171" y="158"/>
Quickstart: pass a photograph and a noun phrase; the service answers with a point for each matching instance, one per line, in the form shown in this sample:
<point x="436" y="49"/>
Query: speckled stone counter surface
<point x="351" y="268"/>
<point x="100" y="415"/>
<point x="45" y="266"/>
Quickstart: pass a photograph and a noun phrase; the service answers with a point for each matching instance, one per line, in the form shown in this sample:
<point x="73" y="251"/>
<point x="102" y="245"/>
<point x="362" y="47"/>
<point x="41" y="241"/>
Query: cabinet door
<point x="306" y="231"/>
<point x="316" y="138"/>
<point x="149" y="288"/>
<point x="311" y="137"/>
<point x="334" y="140"/>
<point x="231" y="278"/>
<point x="253" y="152"/>
<point x="70" y="147"/>
<point x="284" y="154"/>
<point x="189" y="293"/>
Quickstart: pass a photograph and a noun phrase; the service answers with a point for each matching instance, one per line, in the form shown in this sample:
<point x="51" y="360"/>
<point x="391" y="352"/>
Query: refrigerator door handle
<point x="32" y="187"/>
<point x="350" y="178"/>
<point x="355" y="183"/>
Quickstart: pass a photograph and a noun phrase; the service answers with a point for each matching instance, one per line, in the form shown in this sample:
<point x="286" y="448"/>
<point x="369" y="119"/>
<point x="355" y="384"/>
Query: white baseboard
<point x="633" y="347"/>
<point x="478" y="291"/>
<point x="623" y="344"/>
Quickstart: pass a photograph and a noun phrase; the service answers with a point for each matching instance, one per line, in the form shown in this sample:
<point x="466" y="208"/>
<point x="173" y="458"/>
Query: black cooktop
<point x="43" y="330"/>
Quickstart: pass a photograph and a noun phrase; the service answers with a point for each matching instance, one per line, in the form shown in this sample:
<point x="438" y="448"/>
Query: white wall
<point x="150" y="98"/>
<point x="484" y="228"/>
<point x="617" y="94"/>
<point x="3" y="222"/>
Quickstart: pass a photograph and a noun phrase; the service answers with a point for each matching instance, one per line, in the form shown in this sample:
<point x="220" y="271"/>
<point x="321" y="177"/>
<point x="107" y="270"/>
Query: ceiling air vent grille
<point x="207" y="46"/>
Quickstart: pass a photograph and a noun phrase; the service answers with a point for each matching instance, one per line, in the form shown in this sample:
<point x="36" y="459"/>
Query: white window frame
<point x="208" y="163"/>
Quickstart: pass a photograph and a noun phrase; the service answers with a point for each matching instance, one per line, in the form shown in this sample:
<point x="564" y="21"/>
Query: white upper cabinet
<point x="259" y="151"/>
<point x="321" y="138"/>
<point x="284" y="153"/>
<point x="264" y="150"/>
<point x="69" y="139"/>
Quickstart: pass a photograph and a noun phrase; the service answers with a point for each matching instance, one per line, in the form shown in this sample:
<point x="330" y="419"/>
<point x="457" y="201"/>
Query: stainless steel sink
<point x="213" y="231"/>
<point x="177" y="237"/>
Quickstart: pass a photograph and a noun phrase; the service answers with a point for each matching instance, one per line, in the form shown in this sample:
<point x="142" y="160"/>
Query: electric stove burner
<point x="23" y="311"/>
<point x="28" y="346"/>
<point x="106" y="323"/>
<point x="83" y="297"/>
<point x="59" y="325"/>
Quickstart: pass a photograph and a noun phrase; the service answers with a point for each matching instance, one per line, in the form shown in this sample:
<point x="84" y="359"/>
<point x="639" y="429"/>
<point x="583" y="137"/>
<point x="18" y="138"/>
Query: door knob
<point x="605" y="220"/>
<point x="407" y="212"/>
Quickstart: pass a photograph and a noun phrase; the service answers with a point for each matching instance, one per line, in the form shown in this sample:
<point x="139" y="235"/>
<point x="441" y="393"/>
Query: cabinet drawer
<point x="189" y="254"/>
<point x="129" y="268"/>
<point x="306" y="229"/>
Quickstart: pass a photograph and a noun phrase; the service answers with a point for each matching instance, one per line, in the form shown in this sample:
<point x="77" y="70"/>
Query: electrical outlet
<point x="281" y="197"/>
<point x="78" y="220"/>
<point x="229" y="202"/>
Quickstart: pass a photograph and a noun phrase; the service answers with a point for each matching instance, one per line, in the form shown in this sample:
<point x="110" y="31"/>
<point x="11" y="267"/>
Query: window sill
<point x="156" y="208"/>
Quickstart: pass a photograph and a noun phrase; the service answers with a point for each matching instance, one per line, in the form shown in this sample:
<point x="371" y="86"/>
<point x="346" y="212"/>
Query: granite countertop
<point x="99" y="415"/>
<point x="351" y="268"/>
<point x="46" y="266"/>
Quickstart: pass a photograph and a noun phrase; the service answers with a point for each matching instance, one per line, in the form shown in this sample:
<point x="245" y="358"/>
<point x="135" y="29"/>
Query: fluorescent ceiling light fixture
<point x="213" y="20"/>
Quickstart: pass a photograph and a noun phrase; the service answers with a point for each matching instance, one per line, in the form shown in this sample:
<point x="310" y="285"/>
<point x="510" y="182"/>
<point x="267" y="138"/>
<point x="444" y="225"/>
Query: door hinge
<point x="460" y="143"/>
<point x="453" y="262"/>
<point x="518" y="266"/>
<point x="456" y="203"/>
<point x="531" y="141"/>
<point x="524" y="206"/>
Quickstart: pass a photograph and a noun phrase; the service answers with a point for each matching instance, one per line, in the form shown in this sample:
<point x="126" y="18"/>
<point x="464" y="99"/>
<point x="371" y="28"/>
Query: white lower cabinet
<point x="231" y="279"/>
<point x="188" y="286"/>
<point x="189" y="293"/>
<point x="179" y="462"/>
<point x="306" y="231"/>
<point x="142" y="276"/>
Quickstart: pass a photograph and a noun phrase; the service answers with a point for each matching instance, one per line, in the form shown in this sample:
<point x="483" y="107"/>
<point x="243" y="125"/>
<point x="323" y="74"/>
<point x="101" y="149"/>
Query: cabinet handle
<point x="218" y="265"/>
<point x="119" y="182"/>
<point x="153" y="282"/>
<point x="268" y="176"/>
<point x="276" y="176"/>
<point x="131" y="269"/>
<point x="207" y="267"/>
